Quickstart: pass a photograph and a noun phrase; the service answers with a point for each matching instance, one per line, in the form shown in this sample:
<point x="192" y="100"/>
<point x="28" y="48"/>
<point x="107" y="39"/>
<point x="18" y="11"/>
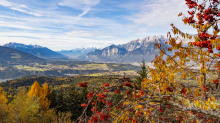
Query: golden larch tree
<point x="41" y="94"/>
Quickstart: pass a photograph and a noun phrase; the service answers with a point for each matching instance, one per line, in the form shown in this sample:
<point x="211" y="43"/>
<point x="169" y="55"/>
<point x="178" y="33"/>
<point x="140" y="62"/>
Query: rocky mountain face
<point x="133" y="51"/>
<point x="108" y="54"/>
<point x="143" y="42"/>
<point x="36" y="50"/>
<point x="74" y="53"/>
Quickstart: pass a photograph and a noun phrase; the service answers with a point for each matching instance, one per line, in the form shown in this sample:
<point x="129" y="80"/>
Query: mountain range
<point x="39" y="51"/>
<point x="133" y="51"/>
<point x="74" y="53"/>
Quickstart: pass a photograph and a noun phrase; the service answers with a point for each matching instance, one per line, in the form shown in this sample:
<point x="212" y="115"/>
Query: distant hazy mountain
<point x="11" y="56"/>
<point x="133" y="51"/>
<point x="36" y="50"/>
<point x="74" y="53"/>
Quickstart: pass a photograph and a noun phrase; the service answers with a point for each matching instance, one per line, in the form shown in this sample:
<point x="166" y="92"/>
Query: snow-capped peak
<point x="134" y="44"/>
<point x="17" y="45"/>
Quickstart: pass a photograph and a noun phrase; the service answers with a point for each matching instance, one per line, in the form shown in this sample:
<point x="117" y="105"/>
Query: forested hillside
<point x="11" y="56"/>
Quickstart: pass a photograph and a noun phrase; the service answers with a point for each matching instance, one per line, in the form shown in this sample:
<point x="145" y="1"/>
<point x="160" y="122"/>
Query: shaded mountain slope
<point x="12" y="56"/>
<point x="36" y="50"/>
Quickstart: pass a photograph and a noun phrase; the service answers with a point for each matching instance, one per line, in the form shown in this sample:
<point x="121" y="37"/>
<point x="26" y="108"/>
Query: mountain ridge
<point x="11" y="56"/>
<point x="133" y="51"/>
<point x="37" y="50"/>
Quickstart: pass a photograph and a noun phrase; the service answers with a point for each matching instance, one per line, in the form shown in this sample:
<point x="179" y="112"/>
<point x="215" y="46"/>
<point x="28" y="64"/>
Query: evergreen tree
<point x="53" y="98"/>
<point x="142" y="74"/>
<point x="74" y="102"/>
<point x="71" y="102"/>
<point x="74" y="99"/>
<point x="61" y="107"/>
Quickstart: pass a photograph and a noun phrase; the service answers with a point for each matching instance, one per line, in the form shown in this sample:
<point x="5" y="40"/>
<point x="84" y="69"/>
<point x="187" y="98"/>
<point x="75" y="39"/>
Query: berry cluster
<point x="190" y="20"/>
<point x="169" y="89"/>
<point x="191" y="4"/>
<point x="204" y="35"/>
<point x="215" y="1"/>
<point x="215" y="81"/>
<point x="208" y="15"/>
<point x="99" y="117"/>
<point x="204" y="44"/>
<point x="183" y="90"/>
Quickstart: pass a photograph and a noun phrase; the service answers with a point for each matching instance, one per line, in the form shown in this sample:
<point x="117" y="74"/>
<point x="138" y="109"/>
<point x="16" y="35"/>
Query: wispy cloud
<point x="18" y="7"/>
<point x="159" y="12"/>
<point x="84" y="5"/>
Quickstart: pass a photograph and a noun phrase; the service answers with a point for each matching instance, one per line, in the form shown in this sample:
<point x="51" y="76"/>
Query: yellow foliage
<point x="196" y="102"/>
<point x="3" y="99"/>
<point x="41" y="93"/>
<point x="35" y="90"/>
<point x="213" y="98"/>
<point x="205" y="107"/>
<point x="197" y="92"/>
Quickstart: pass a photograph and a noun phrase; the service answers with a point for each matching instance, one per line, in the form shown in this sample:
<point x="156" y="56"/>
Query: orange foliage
<point x="41" y="93"/>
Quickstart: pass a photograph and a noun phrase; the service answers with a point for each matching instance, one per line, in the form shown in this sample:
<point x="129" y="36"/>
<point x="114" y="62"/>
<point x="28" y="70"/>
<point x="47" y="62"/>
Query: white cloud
<point x="82" y="34"/>
<point x="18" y="7"/>
<point x="58" y="42"/>
<point x="159" y="12"/>
<point x="84" y="5"/>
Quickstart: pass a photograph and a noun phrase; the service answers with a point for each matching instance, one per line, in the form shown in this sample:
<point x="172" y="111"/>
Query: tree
<point x="182" y="87"/>
<point x="41" y="94"/>
<point x="44" y="101"/>
<point x="3" y="106"/>
<point x="35" y="90"/>
<point x="142" y="73"/>
<point x="74" y="99"/>
<point x="53" y="98"/>
<point x="3" y="99"/>
<point x="61" y="102"/>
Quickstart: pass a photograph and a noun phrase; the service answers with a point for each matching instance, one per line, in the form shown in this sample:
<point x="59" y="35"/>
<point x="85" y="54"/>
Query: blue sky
<point x="69" y="24"/>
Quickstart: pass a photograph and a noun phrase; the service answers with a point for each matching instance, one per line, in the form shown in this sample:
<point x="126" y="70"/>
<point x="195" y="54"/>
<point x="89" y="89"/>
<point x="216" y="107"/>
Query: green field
<point x="117" y="73"/>
<point x="28" y="68"/>
<point x="15" y="55"/>
<point x="93" y="66"/>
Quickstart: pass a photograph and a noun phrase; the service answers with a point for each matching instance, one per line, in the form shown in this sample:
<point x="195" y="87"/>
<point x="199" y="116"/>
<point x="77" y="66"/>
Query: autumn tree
<point x="26" y="109"/>
<point x="183" y="87"/>
<point x="3" y="99"/>
<point x="41" y="94"/>
<point x="3" y="106"/>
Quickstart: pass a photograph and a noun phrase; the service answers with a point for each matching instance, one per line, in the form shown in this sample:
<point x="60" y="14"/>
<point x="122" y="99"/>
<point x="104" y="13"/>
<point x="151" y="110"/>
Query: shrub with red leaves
<point x="127" y="84"/>
<point x="116" y="91"/>
<point x="90" y="95"/>
<point x="106" y="84"/>
<point x="84" y="105"/>
<point x="84" y="84"/>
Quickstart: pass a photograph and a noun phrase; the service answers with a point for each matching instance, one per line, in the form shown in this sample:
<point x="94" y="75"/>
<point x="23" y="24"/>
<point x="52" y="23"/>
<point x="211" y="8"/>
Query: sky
<point x="69" y="24"/>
